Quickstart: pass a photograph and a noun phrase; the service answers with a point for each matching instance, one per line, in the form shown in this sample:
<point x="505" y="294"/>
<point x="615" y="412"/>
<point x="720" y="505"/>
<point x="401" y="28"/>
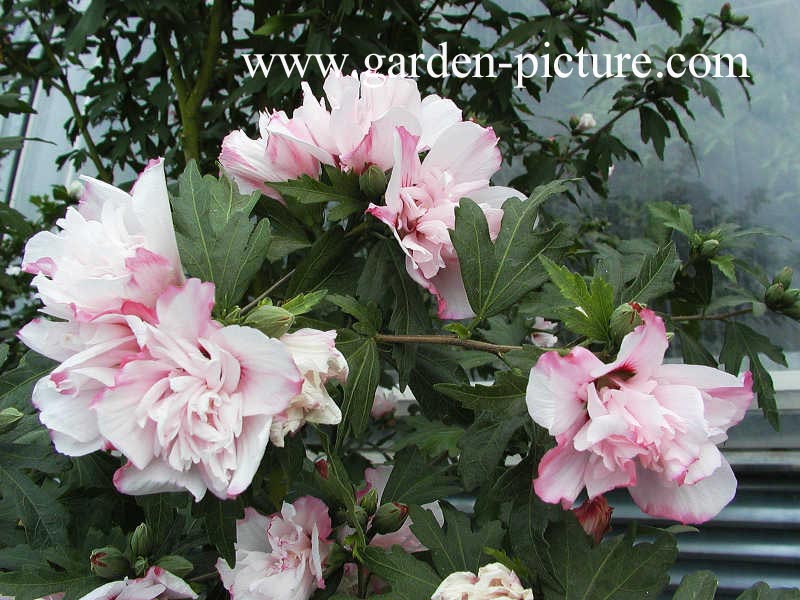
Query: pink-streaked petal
<point x="561" y="475"/>
<point x="151" y="205"/>
<point x="451" y="294"/>
<point x="174" y="586"/>
<point x="251" y="531"/>
<point x="688" y="504"/>
<point x="186" y="311"/>
<point x="556" y="393"/>
<point x="158" y="478"/>
<point x="250" y="447"/>
<point x="642" y="350"/>
<point x="436" y="115"/>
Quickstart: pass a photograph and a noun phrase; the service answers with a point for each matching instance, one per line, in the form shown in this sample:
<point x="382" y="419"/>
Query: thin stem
<point x="445" y="340"/>
<point x="204" y="577"/>
<point x="66" y="91"/>
<point x="251" y="305"/>
<point x="714" y="317"/>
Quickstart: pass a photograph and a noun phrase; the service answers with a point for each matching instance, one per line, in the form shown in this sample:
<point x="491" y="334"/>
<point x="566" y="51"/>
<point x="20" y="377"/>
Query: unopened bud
<point x="739" y="20"/>
<point x="573" y="122"/>
<point x="625" y="319"/>
<point x="708" y="249"/>
<point x="774" y="296"/>
<point x="595" y="517"/>
<point x="271" y="320"/>
<point x="322" y="468"/>
<point x="793" y="312"/>
<point x="725" y="11"/>
<point x="9" y="417"/>
<point x="141" y="542"/>
<point x="373" y="182"/>
<point x="108" y="563"/>
<point x="369" y="501"/>
<point x="586" y="122"/>
<point x="784" y="277"/>
<point x="177" y="565"/>
<point x="390" y="517"/>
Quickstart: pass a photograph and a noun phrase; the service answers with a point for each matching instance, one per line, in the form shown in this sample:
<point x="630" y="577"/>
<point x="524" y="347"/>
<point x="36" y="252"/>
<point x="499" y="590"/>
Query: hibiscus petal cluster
<point x="144" y="368"/>
<point x="493" y="581"/>
<point x="155" y="584"/>
<point x="280" y="557"/>
<point x="637" y="423"/>
<point x="383" y="121"/>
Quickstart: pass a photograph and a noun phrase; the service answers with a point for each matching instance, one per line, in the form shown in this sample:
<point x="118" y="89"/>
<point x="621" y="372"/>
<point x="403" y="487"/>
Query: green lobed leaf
<point x="455" y="546"/>
<point x="37" y="508"/>
<point x="694" y="353"/>
<point x="506" y="396"/>
<point x="415" y="481"/>
<point x="411" y="579"/>
<point x="219" y="517"/>
<point x="319" y="263"/>
<point x="483" y="446"/>
<point x="217" y="238"/>
<point x="31" y="583"/>
<point x="17" y="384"/>
<point x="741" y="341"/>
<point x="362" y="358"/>
<point x="655" y="277"/>
<point x="620" y="568"/>
<point x="497" y="274"/>
<point x="762" y="591"/>
<point x="701" y="585"/>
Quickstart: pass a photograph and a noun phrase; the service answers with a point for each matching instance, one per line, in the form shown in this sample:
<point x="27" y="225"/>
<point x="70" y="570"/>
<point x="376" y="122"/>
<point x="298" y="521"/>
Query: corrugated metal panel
<point x="756" y="537"/>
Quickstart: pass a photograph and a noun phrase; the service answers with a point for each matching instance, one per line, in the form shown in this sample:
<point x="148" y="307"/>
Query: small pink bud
<point x="595" y="517"/>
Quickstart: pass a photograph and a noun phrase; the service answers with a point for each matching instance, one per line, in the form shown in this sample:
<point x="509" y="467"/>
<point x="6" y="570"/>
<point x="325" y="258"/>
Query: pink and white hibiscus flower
<point x="156" y="584"/>
<point x="637" y="423"/>
<point x="90" y="355"/>
<point x="541" y="335"/>
<point x="377" y="478"/>
<point x="421" y="199"/>
<point x="353" y="130"/>
<point x="315" y="354"/>
<point x="493" y="581"/>
<point x="113" y="250"/>
<point x="192" y="410"/>
<point x="280" y="557"/>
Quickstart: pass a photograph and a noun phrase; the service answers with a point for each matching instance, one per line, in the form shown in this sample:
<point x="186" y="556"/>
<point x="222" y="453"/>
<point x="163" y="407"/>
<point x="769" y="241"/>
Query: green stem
<point x="714" y="317"/>
<point x="445" y="340"/>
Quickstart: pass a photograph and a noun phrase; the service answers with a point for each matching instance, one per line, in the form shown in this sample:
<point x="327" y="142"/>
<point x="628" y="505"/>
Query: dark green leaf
<point x="655" y="277"/>
<point x="362" y="358"/>
<point x="217" y="239"/>
<point x="740" y="341"/>
<point x="762" y="591"/>
<point x="31" y="583"/>
<point x="220" y="518"/>
<point x="16" y="385"/>
<point x="415" y="481"/>
<point x="411" y="579"/>
<point x="454" y="546"/>
<point x="319" y="263"/>
<point x="701" y="585"/>
<point x="43" y="517"/>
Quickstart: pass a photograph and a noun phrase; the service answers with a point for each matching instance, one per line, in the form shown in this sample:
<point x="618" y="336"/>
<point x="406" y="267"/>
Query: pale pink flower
<point x="377" y="478"/>
<point x="113" y="250"/>
<point x="595" y="517"/>
<point x="352" y="130"/>
<point x="637" y="423"/>
<point x="157" y="584"/>
<point x="493" y="581"/>
<point x="540" y="337"/>
<point x="285" y="149"/>
<point x="421" y="199"/>
<point x="90" y="355"/>
<point x="315" y="354"/>
<point x="280" y="557"/>
<point x="385" y="402"/>
<point x="193" y="409"/>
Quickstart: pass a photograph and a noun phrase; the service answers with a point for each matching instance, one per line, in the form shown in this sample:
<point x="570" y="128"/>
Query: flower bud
<point x="373" y="182"/>
<point x="177" y="565"/>
<point x="9" y="417"/>
<point x="360" y="516"/>
<point x="595" y="517"/>
<point x="369" y="501"/>
<point x="793" y="312"/>
<point x="108" y="563"/>
<point x="725" y="12"/>
<point x="586" y="122"/>
<point x="784" y="277"/>
<point x="573" y="122"/>
<point x="271" y="320"/>
<point x="141" y="542"/>
<point x="322" y="468"/>
<point x="774" y="297"/>
<point x="140" y="566"/>
<point x="390" y="517"/>
<point x="708" y="249"/>
<point x="625" y="319"/>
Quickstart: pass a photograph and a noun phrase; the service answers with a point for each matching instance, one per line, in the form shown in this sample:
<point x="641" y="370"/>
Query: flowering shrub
<point x="217" y="378"/>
